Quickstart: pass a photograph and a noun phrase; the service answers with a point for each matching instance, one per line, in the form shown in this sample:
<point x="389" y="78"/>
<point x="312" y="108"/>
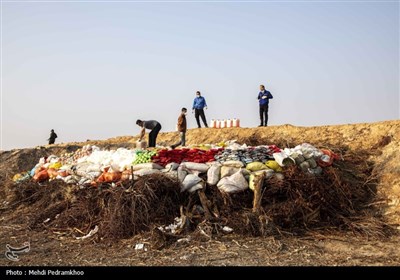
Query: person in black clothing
<point x="53" y="137"/>
<point x="263" y="98"/>
<point x="154" y="126"/>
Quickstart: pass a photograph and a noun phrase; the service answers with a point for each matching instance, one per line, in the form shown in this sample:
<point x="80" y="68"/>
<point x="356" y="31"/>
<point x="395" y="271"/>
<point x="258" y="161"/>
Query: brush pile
<point x="337" y="199"/>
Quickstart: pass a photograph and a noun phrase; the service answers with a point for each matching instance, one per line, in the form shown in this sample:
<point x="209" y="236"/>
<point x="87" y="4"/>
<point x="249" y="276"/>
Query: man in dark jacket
<point x="53" y="137"/>
<point x="154" y="126"/>
<point x="181" y="127"/>
<point x="263" y="98"/>
<point x="199" y="103"/>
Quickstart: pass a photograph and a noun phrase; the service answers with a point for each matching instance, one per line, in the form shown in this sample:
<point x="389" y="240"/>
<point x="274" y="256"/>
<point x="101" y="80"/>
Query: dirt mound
<point x="342" y="198"/>
<point x="359" y="194"/>
<point x="155" y="200"/>
<point x="375" y="145"/>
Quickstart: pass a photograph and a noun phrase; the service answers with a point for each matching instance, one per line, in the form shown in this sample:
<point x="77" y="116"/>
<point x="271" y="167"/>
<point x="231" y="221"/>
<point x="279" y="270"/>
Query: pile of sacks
<point x="232" y="169"/>
<point x="247" y="154"/>
<point x="307" y="157"/>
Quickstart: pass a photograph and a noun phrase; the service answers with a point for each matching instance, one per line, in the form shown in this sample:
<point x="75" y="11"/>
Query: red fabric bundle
<point x="179" y="155"/>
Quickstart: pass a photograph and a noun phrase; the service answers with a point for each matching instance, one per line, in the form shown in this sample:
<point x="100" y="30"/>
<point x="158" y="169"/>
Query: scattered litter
<point x="139" y="246"/>
<point x="90" y="234"/>
<point x="186" y="239"/>
<point x="227" y="229"/>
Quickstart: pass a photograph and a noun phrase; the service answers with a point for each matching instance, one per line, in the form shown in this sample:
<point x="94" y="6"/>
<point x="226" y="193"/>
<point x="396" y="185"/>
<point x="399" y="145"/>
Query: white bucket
<point x="223" y="124"/>
<point x="213" y="123"/>
<point x="141" y="145"/>
<point x="235" y="123"/>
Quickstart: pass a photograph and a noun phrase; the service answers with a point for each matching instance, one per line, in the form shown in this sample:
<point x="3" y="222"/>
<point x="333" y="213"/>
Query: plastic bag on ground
<point x="200" y="167"/>
<point x="272" y="164"/>
<point x="81" y="168"/>
<point x="93" y="167"/>
<point x="143" y="172"/>
<point x="308" y="150"/>
<point x="234" y="183"/>
<point x="71" y="179"/>
<point x="233" y="163"/>
<point x="256" y="166"/>
<point x="122" y="159"/>
<point x="84" y="181"/>
<point x="52" y="159"/>
<point x="172" y="166"/>
<point x="93" y="175"/>
<point x="148" y="165"/>
<point x="214" y="174"/>
<point x="189" y="181"/>
<point x="196" y="187"/>
<point x="181" y="174"/>
<point x="228" y="171"/>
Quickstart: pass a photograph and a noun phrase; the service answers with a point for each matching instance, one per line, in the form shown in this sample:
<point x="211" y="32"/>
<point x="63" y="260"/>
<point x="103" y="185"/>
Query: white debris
<point x="90" y="234"/>
<point x="227" y="229"/>
<point x="139" y="246"/>
<point x="187" y="239"/>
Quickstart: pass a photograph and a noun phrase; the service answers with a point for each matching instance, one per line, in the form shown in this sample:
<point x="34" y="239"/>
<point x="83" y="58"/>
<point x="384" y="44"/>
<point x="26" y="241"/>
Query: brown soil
<point x="379" y="141"/>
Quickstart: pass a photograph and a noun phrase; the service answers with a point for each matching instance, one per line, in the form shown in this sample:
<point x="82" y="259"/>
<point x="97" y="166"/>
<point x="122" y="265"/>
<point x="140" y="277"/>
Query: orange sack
<point x="112" y="177"/>
<point x="52" y="173"/>
<point x="126" y="175"/>
<point x="41" y="176"/>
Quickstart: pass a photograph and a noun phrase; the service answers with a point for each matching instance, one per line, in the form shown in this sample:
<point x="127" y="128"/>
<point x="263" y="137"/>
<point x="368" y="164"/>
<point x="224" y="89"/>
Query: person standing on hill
<point x="154" y="126"/>
<point x="182" y="127"/>
<point x="263" y="98"/>
<point x="199" y="104"/>
<point x="52" y="137"/>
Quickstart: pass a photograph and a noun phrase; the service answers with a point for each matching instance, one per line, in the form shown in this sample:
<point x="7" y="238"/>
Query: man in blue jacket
<point x="199" y="104"/>
<point x="263" y="98"/>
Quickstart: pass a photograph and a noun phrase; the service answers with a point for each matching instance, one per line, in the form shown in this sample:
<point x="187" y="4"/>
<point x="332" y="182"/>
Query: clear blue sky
<point x="89" y="70"/>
